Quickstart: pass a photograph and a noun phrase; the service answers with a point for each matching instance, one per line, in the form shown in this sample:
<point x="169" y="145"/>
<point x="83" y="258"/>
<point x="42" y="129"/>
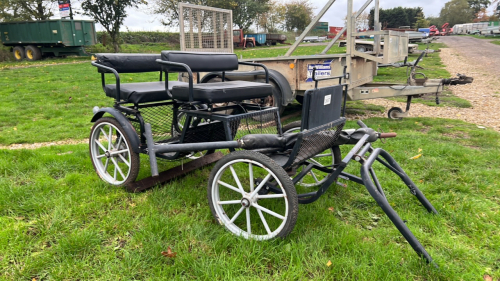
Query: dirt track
<point x="474" y="57"/>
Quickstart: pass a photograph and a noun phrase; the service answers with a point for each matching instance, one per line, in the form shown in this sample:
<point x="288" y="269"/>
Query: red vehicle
<point x="239" y="40"/>
<point x="445" y="29"/>
<point x="434" y="31"/>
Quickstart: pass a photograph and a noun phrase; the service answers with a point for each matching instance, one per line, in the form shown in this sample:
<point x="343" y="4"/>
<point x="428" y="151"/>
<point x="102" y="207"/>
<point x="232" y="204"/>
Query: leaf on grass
<point x="420" y="150"/>
<point x="169" y="253"/>
<point x="15" y="129"/>
<point x="330" y="209"/>
<point x="416" y="157"/>
<point x="329" y="263"/>
<point x="486" y="277"/>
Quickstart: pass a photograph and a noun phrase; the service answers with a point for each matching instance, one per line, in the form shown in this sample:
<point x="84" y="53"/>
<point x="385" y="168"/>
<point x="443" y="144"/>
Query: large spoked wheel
<point x="111" y="153"/>
<point x="237" y="202"/>
<point x="326" y="159"/>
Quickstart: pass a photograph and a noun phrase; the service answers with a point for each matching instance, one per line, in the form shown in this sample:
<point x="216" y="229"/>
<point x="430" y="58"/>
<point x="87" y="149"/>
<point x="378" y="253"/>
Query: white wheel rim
<point x="233" y="220"/>
<point x="317" y="178"/>
<point x="110" y="153"/>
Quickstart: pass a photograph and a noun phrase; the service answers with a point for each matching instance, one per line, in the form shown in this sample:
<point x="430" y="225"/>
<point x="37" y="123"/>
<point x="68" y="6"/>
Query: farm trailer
<point x="291" y="75"/>
<point x="268" y="39"/>
<point x="34" y="39"/>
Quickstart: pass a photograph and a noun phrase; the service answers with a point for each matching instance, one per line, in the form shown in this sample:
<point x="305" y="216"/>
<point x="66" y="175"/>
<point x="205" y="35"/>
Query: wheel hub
<point x="245" y="202"/>
<point x="107" y="154"/>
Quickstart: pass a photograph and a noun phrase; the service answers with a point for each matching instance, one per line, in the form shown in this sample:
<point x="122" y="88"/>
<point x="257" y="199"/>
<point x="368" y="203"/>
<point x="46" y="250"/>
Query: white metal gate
<point x="205" y="29"/>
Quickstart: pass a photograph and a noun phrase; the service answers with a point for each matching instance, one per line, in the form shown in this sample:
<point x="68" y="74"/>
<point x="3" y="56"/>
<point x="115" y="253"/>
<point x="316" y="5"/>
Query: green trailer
<point x="32" y="40"/>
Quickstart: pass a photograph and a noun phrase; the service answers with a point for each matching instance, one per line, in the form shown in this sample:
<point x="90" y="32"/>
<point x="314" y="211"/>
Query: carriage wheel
<point x="111" y="153"/>
<point x="326" y="159"/>
<point x="235" y="202"/>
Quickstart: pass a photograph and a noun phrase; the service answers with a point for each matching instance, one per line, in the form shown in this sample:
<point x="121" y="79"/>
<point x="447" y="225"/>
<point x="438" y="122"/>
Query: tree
<point x="477" y="5"/>
<point x="20" y="10"/>
<point x="245" y="12"/>
<point x="110" y="14"/>
<point x="421" y="21"/>
<point x="298" y="15"/>
<point x="362" y="22"/>
<point x="274" y="19"/>
<point x="396" y="17"/>
<point x="456" y="12"/>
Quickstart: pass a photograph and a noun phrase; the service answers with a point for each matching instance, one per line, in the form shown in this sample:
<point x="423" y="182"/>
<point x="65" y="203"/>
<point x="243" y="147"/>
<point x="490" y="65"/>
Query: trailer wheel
<point x="268" y="44"/>
<point x="33" y="53"/>
<point x="111" y="152"/>
<point x="392" y="113"/>
<point x="250" y="45"/>
<point x="237" y="203"/>
<point x="18" y="52"/>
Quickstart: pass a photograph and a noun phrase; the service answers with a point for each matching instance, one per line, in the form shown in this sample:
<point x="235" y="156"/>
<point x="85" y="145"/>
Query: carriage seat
<point x="140" y="92"/>
<point x="218" y="92"/>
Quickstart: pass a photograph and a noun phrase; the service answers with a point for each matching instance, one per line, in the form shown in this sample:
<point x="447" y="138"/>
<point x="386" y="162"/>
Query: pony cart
<point x="254" y="190"/>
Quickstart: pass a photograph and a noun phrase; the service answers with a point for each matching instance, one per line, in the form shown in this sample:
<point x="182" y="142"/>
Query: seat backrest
<point x="321" y="106"/>
<point x="129" y="63"/>
<point x="200" y="62"/>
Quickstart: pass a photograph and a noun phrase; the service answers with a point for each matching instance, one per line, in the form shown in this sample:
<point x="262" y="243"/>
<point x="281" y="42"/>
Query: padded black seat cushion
<point x="142" y="92"/>
<point x="223" y="91"/>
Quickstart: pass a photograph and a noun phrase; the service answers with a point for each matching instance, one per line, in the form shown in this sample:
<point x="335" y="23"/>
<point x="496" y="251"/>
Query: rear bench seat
<point x="136" y="93"/>
<point x="218" y="92"/>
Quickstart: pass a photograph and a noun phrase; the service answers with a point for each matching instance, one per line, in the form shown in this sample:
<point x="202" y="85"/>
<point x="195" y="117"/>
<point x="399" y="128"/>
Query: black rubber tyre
<point x="112" y="156"/>
<point x="233" y="190"/>
<point x="250" y="45"/>
<point x="18" y="52"/>
<point x="32" y="53"/>
<point x="274" y="100"/>
<point x="392" y="111"/>
<point x="268" y="44"/>
<point x="299" y="99"/>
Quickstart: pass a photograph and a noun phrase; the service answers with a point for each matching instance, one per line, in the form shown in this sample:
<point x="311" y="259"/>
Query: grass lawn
<point x="59" y="221"/>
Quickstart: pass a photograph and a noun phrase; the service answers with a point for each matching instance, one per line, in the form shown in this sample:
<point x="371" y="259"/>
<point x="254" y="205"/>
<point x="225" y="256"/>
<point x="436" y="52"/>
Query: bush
<point x="6" y="54"/>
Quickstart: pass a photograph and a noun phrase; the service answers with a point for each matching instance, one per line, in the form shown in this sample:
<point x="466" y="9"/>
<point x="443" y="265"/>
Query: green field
<point x="59" y="221"/>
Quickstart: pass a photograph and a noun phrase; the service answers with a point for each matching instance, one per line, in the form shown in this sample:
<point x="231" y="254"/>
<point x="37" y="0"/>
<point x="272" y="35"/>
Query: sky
<point x="140" y="20"/>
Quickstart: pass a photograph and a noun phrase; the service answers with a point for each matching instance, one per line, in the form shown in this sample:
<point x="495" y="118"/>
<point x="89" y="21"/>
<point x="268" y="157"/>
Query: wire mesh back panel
<point x="318" y="140"/>
<point x="160" y="118"/>
<point x="229" y="127"/>
<point x="255" y="122"/>
<point x="205" y="29"/>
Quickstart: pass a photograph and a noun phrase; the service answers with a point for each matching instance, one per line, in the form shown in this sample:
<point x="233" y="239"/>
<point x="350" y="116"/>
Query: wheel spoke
<point x="120" y="139"/>
<point x="229" y="202"/>
<point x="264" y="222"/>
<point x="228" y="186"/>
<point x="118" y="152"/>
<point x="124" y="160"/>
<point x="249" y="225"/>
<point x="110" y="138"/>
<point x="314" y="176"/>
<point x="322" y="155"/>
<point x="119" y="169"/>
<point x="250" y="170"/>
<point x="104" y="133"/>
<point x="236" y="179"/>
<point x="106" y="165"/>
<point x="114" y="173"/>
<point x="100" y="145"/>
<point x="100" y="156"/>
<point x="258" y="207"/>
<point x="316" y="162"/>
<point x="260" y="185"/>
<point x="268" y="196"/>
<point x="237" y="214"/>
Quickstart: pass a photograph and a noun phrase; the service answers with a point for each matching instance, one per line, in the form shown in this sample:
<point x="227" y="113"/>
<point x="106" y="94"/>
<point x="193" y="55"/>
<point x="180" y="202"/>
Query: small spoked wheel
<point x="111" y="152"/>
<point x="326" y="159"/>
<point x="237" y="202"/>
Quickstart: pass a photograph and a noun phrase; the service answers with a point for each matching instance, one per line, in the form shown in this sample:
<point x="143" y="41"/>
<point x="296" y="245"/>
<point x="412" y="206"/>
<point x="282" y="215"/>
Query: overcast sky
<point x="140" y="20"/>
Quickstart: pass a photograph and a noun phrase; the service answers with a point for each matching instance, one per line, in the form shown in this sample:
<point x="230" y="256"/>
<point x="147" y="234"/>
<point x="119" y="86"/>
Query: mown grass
<point x="58" y="220"/>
